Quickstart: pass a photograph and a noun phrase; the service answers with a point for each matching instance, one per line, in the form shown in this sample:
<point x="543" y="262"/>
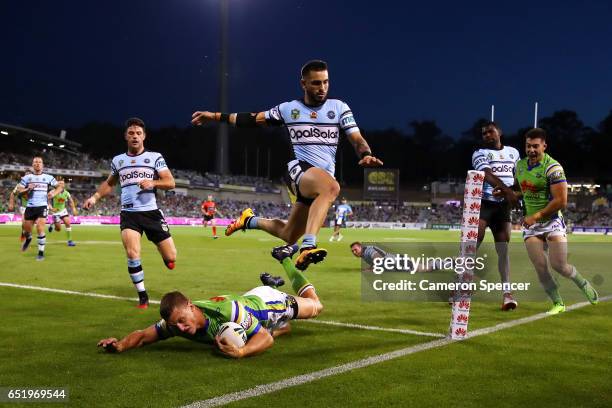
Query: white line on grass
<point x="316" y="375"/>
<point x="331" y="323"/>
<point x="375" y="328"/>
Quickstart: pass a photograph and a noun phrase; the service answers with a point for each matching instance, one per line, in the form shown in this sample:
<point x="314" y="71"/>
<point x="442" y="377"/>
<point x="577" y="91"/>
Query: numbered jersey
<point x="131" y="170"/>
<point x="343" y="210"/>
<point x="39" y="185"/>
<point x="314" y="130"/>
<point x="501" y="163"/>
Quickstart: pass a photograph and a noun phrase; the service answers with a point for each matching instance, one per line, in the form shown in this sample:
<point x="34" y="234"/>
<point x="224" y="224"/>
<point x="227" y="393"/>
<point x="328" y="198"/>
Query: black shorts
<point x="152" y="223"/>
<point x="34" y="213"/>
<point x="292" y="179"/>
<point x="495" y="213"/>
<point x="208" y="217"/>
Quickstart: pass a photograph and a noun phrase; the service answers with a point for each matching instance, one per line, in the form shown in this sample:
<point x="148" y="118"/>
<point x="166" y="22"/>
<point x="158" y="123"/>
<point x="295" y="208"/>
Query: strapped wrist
<point x="366" y="153"/>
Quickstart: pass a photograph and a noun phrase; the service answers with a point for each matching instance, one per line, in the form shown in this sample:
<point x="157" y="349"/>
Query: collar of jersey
<point x="311" y="107"/>
<point x="135" y="155"/>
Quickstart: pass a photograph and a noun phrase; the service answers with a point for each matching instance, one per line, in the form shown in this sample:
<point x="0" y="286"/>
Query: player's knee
<point x="333" y="190"/>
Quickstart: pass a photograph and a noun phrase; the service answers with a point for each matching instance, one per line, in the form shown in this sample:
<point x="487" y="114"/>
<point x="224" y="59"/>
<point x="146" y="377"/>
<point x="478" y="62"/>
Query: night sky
<point x="66" y="63"/>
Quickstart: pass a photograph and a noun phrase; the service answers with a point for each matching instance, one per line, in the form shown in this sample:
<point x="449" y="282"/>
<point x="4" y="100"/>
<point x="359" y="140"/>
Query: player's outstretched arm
<point x="363" y="150"/>
<point x="257" y="344"/>
<point x="135" y="339"/>
<point x="106" y="187"/>
<point x="242" y="119"/>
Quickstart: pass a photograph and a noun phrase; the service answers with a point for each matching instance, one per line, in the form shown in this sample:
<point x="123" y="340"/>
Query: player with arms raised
<point x="139" y="173"/>
<point x="314" y="124"/>
<point x="209" y="209"/>
<point x="498" y="162"/>
<point x="543" y="186"/>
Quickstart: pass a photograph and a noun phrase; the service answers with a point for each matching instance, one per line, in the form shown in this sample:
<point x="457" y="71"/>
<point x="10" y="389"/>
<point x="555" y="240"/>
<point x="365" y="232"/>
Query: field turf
<point x="49" y="339"/>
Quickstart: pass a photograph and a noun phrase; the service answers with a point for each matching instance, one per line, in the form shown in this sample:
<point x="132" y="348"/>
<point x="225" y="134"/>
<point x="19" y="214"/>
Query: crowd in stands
<point x="62" y="160"/>
<point x="175" y="205"/>
<point x="261" y="184"/>
<point x="57" y="160"/>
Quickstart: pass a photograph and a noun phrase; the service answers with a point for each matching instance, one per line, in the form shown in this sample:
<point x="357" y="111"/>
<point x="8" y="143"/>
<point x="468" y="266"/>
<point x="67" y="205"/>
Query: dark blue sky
<point x="67" y="62"/>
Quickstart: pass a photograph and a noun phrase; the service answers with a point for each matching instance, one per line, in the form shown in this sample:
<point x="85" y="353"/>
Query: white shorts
<point x="57" y="217"/>
<point x="340" y="221"/>
<point x="554" y="227"/>
<point x="22" y="210"/>
<point x="280" y="311"/>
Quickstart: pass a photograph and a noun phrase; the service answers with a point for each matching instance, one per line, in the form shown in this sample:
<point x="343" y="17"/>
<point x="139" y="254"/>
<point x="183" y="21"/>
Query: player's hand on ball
<point x="370" y="161"/>
<point x="109" y="345"/>
<point x="201" y="117"/>
<point x="227" y="348"/>
<point x="147" y="184"/>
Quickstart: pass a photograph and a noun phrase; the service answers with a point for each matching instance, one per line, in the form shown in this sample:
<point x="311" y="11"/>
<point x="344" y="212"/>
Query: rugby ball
<point x="233" y="333"/>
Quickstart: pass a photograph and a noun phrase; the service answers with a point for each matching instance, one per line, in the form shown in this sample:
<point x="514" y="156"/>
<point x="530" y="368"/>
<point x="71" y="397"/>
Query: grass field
<point x="49" y="339"/>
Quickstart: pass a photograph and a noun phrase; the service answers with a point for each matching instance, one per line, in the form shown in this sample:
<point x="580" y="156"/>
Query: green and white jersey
<point x="535" y="182"/>
<point x="248" y="311"/>
<point x="59" y="201"/>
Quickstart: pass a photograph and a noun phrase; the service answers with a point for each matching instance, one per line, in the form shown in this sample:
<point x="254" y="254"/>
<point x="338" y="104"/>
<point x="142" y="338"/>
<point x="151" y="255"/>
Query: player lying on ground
<point x="314" y="124"/>
<point x="543" y="187"/>
<point x="263" y="312"/>
<point x="368" y="253"/>
<point x="140" y="173"/>
<point x="60" y="213"/>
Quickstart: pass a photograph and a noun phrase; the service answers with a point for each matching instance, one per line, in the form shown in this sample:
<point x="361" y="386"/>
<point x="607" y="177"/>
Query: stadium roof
<point x="40" y="138"/>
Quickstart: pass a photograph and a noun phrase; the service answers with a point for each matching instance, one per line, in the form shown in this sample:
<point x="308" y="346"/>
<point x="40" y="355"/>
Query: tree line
<point x="423" y="153"/>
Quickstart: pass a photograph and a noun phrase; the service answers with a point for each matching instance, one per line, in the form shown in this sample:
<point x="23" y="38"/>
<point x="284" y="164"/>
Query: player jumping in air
<point x="60" y="213"/>
<point x="343" y="211"/>
<point x="314" y="124"/>
<point x="36" y="186"/>
<point x="264" y="313"/>
<point x="498" y="162"/>
<point x="209" y="209"/>
<point x="139" y="173"/>
<point x="543" y="187"/>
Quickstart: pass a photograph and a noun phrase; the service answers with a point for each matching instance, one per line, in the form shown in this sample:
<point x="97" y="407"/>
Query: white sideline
<point x="316" y="375"/>
<point x="331" y="323"/>
<point x="306" y="378"/>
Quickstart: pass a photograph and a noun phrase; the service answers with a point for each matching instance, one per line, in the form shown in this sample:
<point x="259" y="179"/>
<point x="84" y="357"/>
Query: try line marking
<point x="343" y="368"/>
<point x="156" y="302"/>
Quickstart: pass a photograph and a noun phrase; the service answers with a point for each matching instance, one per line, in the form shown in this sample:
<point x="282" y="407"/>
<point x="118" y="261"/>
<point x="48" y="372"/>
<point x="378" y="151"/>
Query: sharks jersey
<point x="39" y="185"/>
<point x="314" y="130"/>
<point x="131" y="170"/>
<point x="501" y="162"/>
